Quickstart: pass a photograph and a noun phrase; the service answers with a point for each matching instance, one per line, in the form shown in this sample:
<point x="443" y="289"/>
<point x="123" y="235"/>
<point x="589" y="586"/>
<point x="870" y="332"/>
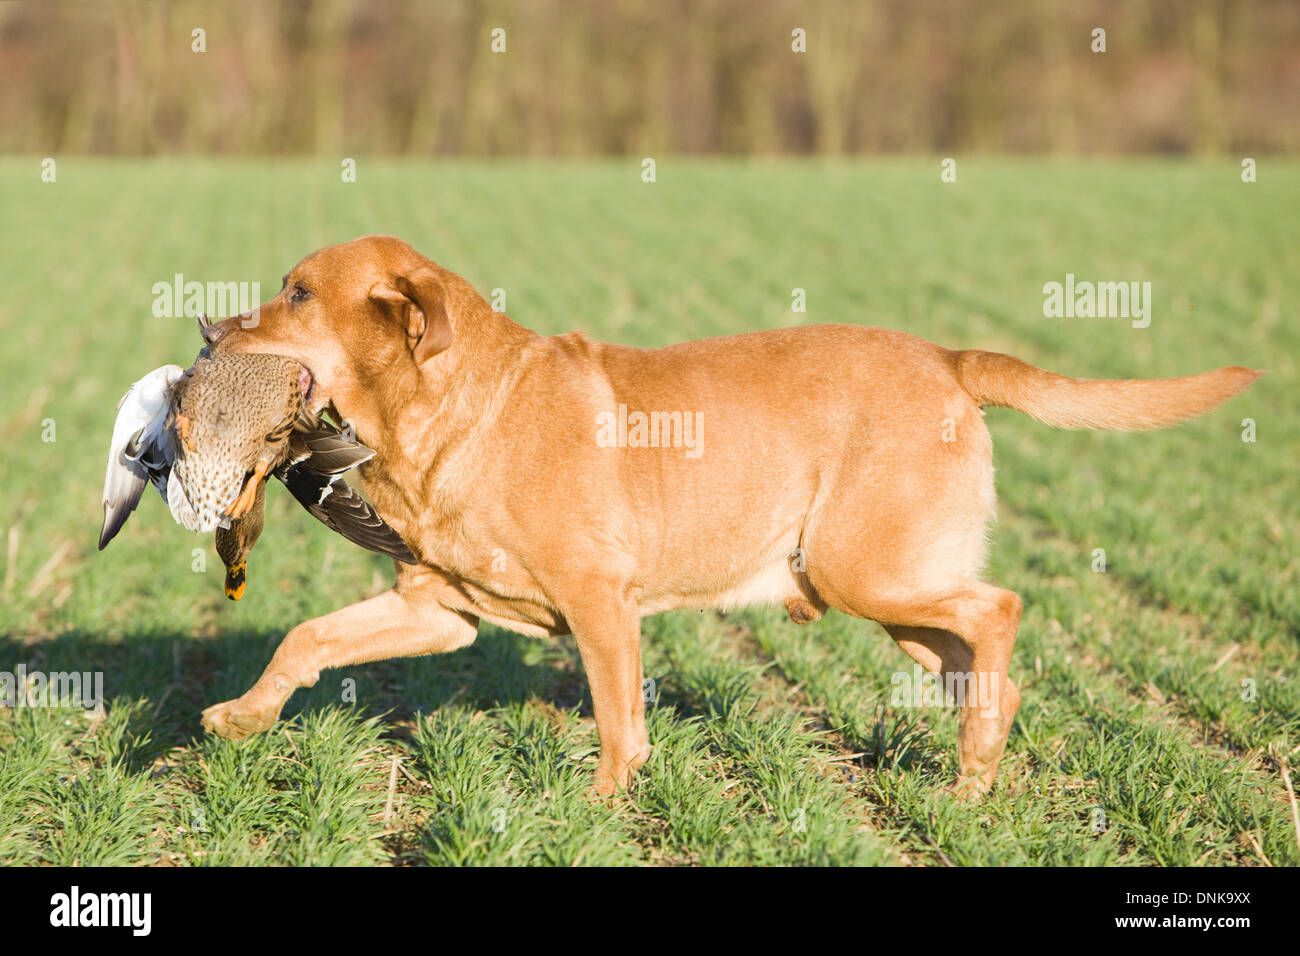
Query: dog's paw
<point x="235" y="720"/>
<point x="968" y="789"/>
<point x="614" y="777"/>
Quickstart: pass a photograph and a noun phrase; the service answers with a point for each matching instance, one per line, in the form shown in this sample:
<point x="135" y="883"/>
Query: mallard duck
<point x="208" y="437"/>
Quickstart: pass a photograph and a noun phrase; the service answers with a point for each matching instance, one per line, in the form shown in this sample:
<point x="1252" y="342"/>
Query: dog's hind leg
<point x="922" y="587"/>
<point x="986" y="716"/>
<point x="967" y="634"/>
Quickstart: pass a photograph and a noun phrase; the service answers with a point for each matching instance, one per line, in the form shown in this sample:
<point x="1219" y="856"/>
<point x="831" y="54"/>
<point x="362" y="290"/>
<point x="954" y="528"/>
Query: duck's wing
<point x="179" y="502"/>
<point x="141" y="450"/>
<point x="313" y="474"/>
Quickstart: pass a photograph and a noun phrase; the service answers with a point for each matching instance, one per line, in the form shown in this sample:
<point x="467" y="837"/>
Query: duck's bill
<point x="235" y="580"/>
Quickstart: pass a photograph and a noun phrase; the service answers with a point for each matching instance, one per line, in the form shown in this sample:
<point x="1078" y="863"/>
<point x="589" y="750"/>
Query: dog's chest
<point x="491" y="575"/>
<point x="395" y="505"/>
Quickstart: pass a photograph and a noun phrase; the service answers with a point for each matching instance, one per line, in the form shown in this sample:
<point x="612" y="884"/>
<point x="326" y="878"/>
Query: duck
<point x="208" y="437"/>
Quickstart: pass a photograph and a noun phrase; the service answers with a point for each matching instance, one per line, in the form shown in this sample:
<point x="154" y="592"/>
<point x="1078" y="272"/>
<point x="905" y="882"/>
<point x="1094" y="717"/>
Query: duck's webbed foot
<point x="249" y="493"/>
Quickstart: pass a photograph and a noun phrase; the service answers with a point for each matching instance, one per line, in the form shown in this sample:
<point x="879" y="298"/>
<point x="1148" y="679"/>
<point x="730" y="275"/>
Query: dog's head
<point x="351" y="314"/>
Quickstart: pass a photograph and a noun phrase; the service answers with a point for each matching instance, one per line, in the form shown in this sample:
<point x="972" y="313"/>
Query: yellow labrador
<point x="557" y="485"/>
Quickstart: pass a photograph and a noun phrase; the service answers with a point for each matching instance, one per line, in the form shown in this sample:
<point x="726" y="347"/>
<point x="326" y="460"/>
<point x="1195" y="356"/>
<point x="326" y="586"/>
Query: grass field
<point x="1159" y="696"/>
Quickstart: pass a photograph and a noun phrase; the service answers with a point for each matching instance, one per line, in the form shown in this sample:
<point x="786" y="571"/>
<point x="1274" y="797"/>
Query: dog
<point x="557" y="485"/>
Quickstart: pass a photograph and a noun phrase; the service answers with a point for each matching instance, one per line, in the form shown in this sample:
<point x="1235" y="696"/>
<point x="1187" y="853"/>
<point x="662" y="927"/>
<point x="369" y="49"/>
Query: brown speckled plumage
<point x="232" y="412"/>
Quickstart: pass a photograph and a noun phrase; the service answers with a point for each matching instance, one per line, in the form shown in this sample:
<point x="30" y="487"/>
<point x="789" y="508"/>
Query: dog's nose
<point x="214" y="332"/>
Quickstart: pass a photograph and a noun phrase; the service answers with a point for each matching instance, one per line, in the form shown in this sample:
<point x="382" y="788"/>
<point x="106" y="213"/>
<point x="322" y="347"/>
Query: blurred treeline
<point x="646" y="77"/>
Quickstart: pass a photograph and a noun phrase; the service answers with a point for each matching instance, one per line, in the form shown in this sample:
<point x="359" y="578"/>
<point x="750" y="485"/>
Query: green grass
<point x="1137" y="743"/>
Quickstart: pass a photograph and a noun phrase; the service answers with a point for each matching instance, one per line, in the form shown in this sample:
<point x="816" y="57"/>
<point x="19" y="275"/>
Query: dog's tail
<point x="1123" y="405"/>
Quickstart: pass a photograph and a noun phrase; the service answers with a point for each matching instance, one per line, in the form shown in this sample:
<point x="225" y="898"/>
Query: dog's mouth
<point x="313" y="393"/>
<point x="306" y="382"/>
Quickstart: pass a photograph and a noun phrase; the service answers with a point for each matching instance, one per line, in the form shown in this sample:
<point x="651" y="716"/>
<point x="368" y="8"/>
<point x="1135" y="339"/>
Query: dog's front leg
<point x="608" y="633"/>
<point x="405" y="621"/>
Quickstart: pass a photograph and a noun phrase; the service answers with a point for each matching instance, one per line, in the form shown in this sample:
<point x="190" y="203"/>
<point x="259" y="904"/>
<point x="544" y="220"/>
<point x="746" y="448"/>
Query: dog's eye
<point x="299" y="295"/>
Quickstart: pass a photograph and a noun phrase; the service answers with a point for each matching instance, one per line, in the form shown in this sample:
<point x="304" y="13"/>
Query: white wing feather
<point x="142" y="412"/>
<point x="180" y="505"/>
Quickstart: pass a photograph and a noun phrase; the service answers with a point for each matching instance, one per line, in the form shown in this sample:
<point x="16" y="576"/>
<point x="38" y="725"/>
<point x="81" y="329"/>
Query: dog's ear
<point x="416" y="302"/>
